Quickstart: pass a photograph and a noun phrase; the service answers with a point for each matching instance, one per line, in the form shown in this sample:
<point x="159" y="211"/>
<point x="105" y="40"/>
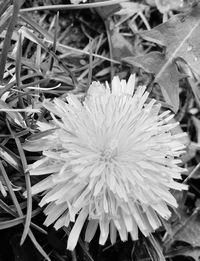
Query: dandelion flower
<point x="112" y="160"/>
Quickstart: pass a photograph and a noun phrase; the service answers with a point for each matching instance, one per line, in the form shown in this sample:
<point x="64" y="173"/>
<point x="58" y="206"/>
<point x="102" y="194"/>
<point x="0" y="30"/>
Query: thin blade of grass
<point x="61" y="47"/>
<point x="39" y="248"/>
<point x="18" y="75"/>
<point x="41" y="230"/>
<point x="14" y="222"/>
<point x="11" y="223"/>
<point x="54" y="41"/>
<point x="14" y="116"/>
<point x="21" y="110"/>
<point x="10" y="157"/>
<point x="28" y="186"/>
<point x="7" y="208"/>
<point x="157" y="248"/>
<point x="4" y="6"/>
<point x="107" y="26"/>
<point x="12" y="84"/>
<point x="10" y="190"/>
<point x="5" y="18"/>
<point x="72" y="7"/>
<point x="19" y="211"/>
<point x="35" y="83"/>
<point x="5" y="14"/>
<point x="27" y="19"/>
<point x="18" y="61"/>
<point x="6" y="43"/>
<point x="34" y="38"/>
<point x="90" y="65"/>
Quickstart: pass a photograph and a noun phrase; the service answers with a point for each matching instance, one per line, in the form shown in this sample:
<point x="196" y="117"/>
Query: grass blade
<point x="10" y="157"/>
<point x="72" y="7"/>
<point x="4" y="6"/>
<point x="5" y="18"/>
<point x="6" y="44"/>
<point x="35" y="39"/>
<point x="18" y="61"/>
<point x="19" y="211"/>
<point x="12" y="83"/>
<point x="61" y="47"/>
<point x="7" y="208"/>
<point x="11" y="223"/>
<point x="28" y="188"/>
<point x="39" y="248"/>
<point x="11" y="192"/>
<point x="54" y="41"/>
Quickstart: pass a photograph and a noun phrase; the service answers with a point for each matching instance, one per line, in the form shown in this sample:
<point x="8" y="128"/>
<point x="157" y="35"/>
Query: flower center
<point x="108" y="153"/>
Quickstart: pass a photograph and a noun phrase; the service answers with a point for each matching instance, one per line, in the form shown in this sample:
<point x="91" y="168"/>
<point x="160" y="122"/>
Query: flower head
<point x="113" y="160"/>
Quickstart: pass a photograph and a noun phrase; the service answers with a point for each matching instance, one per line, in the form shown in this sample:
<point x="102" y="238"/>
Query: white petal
<point x="91" y="230"/>
<point x="54" y="213"/>
<point x="130" y="85"/>
<point x="153" y="218"/>
<point x="96" y="89"/>
<point x="113" y="233"/>
<point x="122" y="231"/>
<point x="134" y="232"/>
<point x="104" y="228"/>
<point x="43" y="185"/>
<point x="76" y="230"/>
<point x="62" y="221"/>
<point x="116" y="86"/>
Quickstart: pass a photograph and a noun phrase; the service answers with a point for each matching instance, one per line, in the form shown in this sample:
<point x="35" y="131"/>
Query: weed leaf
<point x="180" y="37"/>
<point x="168" y="81"/>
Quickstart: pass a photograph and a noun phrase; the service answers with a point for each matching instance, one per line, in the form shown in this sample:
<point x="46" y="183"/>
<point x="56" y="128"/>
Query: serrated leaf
<point x="180" y="35"/>
<point x="189" y="230"/>
<point x="168" y="81"/>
